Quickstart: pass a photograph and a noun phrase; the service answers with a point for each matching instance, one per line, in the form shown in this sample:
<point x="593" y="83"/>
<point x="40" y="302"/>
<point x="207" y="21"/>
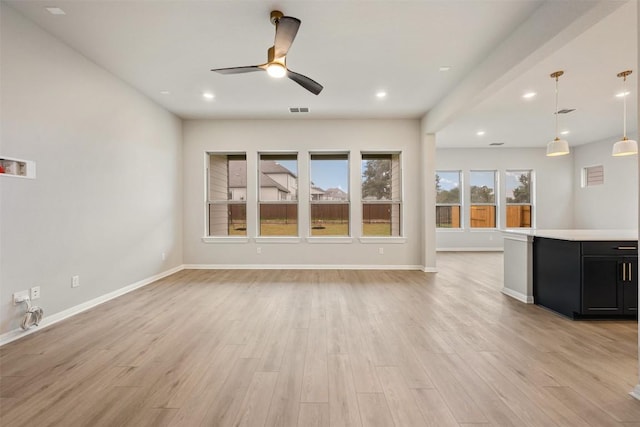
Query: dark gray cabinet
<point x="586" y="279"/>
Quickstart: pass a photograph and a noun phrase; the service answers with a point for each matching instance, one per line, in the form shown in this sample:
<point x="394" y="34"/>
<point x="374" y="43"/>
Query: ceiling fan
<point x="276" y="65"/>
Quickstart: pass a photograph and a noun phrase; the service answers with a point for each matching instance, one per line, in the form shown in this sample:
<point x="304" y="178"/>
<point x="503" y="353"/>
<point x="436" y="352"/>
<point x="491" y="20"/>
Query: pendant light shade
<point x="626" y="146"/>
<point x="557" y="147"/>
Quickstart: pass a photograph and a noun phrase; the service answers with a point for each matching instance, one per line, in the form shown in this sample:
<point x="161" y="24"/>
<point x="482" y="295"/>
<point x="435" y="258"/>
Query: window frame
<point x="259" y="201"/>
<point x="208" y="237"/>
<point x="532" y="209"/>
<point x="347" y="202"/>
<point x="495" y="204"/>
<point x="459" y="205"/>
<point x="400" y="238"/>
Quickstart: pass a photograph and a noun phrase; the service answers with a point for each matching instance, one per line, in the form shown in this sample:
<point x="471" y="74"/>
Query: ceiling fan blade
<point x="286" y="30"/>
<point x="304" y="81"/>
<point x="238" y="70"/>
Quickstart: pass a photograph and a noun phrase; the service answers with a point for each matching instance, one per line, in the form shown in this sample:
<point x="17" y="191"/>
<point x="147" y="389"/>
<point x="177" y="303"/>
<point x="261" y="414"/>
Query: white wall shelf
<point x="17" y="168"/>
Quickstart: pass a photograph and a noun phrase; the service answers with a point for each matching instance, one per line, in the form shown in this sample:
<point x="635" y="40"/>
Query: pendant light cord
<point x="556" y="107"/>
<point x="624" y="108"/>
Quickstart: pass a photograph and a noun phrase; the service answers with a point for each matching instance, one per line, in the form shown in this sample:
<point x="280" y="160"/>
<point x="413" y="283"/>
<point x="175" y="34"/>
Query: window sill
<point x="378" y="240"/>
<point x="329" y="239"/>
<point x="449" y="230"/>
<point x="277" y="239"/>
<point x="223" y="239"/>
<point x="484" y="230"/>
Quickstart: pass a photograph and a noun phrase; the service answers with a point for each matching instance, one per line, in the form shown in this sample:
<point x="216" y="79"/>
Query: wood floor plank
<point x="313" y="415"/>
<point x="255" y="407"/>
<point x="326" y="348"/>
<point x="343" y="401"/>
<point x="402" y="404"/>
<point x="374" y="410"/>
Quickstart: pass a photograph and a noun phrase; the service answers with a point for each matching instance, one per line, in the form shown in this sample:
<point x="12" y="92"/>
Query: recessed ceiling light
<point x="164" y="92"/>
<point x="445" y="67"/>
<point x="480" y="133"/>
<point x="621" y="94"/>
<point x="529" y="95"/>
<point x="55" y="11"/>
<point x="208" y="96"/>
<point x="564" y="132"/>
<point x="381" y="94"/>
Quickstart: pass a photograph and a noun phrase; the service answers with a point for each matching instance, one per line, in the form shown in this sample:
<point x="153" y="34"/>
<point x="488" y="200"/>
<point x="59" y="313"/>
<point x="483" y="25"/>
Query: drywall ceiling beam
<point x="551" y="26"/>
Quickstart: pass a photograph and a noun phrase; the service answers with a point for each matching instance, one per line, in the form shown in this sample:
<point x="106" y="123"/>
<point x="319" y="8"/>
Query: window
<point x="448" y="199"/>
<point x="592" y="175"/>
<point x="329" y="194"/>
<point x="518" y="188"/>
<point x="381" y="194"/>
<point x="483" y="199"/>
<point x="278" y="205"/>
<point x="227" y="194"/>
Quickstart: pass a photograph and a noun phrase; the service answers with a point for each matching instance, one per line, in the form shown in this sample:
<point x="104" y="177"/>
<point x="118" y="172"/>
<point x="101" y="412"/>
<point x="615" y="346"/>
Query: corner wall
<point x="613" y="205"/>
<point x="106" y="202"/>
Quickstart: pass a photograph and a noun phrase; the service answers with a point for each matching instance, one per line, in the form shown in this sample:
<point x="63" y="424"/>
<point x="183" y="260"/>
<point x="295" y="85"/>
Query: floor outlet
<point x="75" y="281"/>
<point x="35" y="292"/>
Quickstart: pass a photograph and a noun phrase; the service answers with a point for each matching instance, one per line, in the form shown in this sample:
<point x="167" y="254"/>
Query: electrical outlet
<point x="75" y="281"/>
<point x="35" y="292"/>
<point x="164" y="256"/>
<point x="258" y="250"/>
<point x="20" y="296"/>
<point x="381" y="251"/>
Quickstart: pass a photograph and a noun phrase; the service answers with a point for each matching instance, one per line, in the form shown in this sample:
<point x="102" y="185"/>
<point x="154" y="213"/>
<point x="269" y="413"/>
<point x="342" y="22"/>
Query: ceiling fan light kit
<point x="626" y="146"/>
<point x="557" y="147"/>
<point x="286" y="30"/>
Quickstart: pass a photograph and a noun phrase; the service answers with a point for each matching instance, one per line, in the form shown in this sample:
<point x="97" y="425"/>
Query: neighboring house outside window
<point x="518" y="186"/>
<point x="330" y="207"/>
<point x="381" y="194"/>
<point x="448" y="199"/>
<point x="278" y="194"/>
<point x="227" y="194"/>
<point x="482" y="192"/>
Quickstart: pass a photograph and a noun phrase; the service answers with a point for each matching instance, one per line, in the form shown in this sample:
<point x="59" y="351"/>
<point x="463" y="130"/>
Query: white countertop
<point x="578" y="235"/>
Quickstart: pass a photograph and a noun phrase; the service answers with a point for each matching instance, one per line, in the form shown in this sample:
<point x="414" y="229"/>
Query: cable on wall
<point x="33" y="316"/>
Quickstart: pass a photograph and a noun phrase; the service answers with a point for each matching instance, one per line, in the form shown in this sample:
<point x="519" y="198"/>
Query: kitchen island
<point x="578" y="273"/>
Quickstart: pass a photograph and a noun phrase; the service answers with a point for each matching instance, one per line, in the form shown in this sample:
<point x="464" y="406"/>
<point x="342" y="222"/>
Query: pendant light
<point x="557" y="147"/>
<point x="626" y="146"/>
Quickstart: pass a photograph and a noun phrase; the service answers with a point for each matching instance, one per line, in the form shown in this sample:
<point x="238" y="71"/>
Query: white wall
<point x="553" y="190"/>
<point x="301" y="136"/>
<point x="613" y="205"/>
<point x="107" y="199"/>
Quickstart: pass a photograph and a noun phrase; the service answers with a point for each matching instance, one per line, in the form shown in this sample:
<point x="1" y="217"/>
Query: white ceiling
<point x="356" y="48"/>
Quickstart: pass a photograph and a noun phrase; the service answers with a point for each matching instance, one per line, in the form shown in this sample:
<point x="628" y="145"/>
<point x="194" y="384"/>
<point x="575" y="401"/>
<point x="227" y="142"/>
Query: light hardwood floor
<point x="323" y="348"/>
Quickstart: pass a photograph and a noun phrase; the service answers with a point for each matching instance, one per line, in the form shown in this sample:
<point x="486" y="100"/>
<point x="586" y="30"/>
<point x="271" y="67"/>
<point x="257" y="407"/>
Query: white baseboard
<point x="57" y="317"/>
<point x="518" y="295"/>
<point x="635" y="392"/>
<point x="429" y="269"/>
<point x="468" y="249"/>
<point x="300" y="267"/>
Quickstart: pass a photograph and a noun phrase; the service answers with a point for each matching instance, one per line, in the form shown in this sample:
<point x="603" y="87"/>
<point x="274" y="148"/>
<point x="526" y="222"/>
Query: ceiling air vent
<point x="495" y="144"/>
<point x="566" y="110"/>
<point x="298" y="109"/>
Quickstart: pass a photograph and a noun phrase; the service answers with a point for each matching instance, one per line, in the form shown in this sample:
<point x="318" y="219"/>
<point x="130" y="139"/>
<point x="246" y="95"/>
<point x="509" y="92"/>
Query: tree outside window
<point x="482" y="193"/>
<point x="518" y="198"/>
<point x="381" y="194"/>
<point x="448" y="199"/>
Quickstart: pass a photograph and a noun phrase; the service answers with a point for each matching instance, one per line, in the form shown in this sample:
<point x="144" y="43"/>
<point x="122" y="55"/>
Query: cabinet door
<point x="630" y="286"/>
<point x="601" y="285"/>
